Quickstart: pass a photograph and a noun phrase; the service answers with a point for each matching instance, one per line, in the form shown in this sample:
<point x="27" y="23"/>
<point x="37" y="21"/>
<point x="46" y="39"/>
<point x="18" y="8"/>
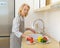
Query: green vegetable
<point x="43" y="41"/>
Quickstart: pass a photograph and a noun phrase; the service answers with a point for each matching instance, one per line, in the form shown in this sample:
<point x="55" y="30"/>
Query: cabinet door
<point x="4" y="42"/>
<point x="36" y="4"/>
<point x="39" y="3"/>
<point x="48" y="2"/>
<point x="42" y="3"/>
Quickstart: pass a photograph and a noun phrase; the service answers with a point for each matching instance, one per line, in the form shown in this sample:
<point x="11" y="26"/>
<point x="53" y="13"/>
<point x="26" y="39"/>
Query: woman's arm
<point x="15" y="27"/>
<point x="31" y="30"/>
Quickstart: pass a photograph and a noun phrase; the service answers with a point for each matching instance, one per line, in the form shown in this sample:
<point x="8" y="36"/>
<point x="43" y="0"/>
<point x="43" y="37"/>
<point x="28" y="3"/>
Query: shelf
<point x="49" y="7"/>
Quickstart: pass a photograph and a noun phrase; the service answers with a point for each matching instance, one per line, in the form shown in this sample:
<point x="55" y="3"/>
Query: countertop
<point x="52" y="44"/>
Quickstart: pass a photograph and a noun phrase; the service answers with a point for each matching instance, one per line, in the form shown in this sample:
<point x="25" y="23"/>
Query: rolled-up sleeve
<point x="15" y="27"/>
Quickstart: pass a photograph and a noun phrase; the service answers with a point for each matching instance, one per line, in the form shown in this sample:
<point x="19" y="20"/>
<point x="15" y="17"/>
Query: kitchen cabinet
<point x="36" y="4"/>
<point x="42" y="3"/>
<point x="39" y="3"/>
<point x="48" y="2"/>
<point x="54" y="1"/>
<point x="52" y="44"/>
<point x="4" y="42"/>
<point x="50" y="7"/>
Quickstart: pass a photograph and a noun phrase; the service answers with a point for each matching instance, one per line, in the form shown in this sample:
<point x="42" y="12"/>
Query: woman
<point x="18" y="27"/>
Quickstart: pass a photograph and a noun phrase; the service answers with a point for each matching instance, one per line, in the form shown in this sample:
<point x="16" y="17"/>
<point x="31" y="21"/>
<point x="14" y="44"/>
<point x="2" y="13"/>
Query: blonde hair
<point x="21" y="8"/>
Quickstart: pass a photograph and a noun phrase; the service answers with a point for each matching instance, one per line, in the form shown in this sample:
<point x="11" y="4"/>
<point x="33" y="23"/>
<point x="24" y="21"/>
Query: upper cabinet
<point x="54" y="1"/>
<point x="40" y="3"/>
<point x="48" y="2"/>
<point x="36" y="4"/>
<point x="47" y="5"/>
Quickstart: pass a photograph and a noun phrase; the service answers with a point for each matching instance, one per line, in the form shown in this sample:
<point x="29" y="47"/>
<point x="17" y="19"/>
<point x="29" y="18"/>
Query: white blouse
<point x="15" y="27"/>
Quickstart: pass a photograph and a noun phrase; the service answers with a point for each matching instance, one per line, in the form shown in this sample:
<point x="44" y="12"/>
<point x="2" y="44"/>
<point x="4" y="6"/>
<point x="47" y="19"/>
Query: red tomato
<point x="31" y="38"/>
<point x="31" y="41"/>
<point x="28" y="39"/>
<point x="45" y="38"/>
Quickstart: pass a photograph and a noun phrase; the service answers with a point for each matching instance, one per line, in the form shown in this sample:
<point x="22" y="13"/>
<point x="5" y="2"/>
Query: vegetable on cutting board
<point x="31" y="40"/>
<point x="42" y="39"/>
<point x="39" y="38"/>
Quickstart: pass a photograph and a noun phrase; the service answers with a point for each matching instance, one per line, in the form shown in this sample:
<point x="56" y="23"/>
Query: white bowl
<point x="35" y="36"/>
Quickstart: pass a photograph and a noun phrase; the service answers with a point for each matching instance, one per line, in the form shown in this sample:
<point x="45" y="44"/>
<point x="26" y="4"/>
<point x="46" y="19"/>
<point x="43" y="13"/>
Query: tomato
<point x="28" y="39"/>
<point x="43" y="41"/>
<point x="31" y="38"/>
<point x="45" y="38"/>
<point x="31" y="41"/>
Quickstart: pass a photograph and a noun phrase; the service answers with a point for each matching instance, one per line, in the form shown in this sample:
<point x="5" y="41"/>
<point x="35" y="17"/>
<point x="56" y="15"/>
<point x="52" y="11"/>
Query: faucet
<point x="40" y="21"/>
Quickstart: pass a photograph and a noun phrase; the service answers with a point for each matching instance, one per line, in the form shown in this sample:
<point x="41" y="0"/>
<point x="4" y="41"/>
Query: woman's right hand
<point x="26" y="37"/>
<point x="31" y="30"/>
<point x="23" y="35"/>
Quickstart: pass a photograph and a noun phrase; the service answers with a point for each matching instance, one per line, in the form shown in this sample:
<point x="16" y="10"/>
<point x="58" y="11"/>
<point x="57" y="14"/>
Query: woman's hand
<point x="31" y="30"/>
<point x="25" y="36"/>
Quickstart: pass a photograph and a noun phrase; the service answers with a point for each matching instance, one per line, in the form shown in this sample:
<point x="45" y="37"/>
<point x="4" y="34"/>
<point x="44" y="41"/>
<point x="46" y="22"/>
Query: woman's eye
<point x="25" y="9"/>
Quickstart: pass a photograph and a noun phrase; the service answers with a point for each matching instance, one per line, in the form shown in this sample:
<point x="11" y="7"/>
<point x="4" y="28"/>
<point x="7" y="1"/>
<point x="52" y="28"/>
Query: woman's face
<point x="25" y="10"/>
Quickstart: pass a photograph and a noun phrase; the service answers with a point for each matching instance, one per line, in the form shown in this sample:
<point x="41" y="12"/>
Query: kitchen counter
<point x="52" y="44"/>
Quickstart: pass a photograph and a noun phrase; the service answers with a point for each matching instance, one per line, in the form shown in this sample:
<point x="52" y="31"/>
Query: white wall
<point x="54" y="24"/>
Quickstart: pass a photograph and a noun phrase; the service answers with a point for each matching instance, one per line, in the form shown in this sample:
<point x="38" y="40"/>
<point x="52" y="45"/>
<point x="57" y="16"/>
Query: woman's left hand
<point x="31" y="30"/>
